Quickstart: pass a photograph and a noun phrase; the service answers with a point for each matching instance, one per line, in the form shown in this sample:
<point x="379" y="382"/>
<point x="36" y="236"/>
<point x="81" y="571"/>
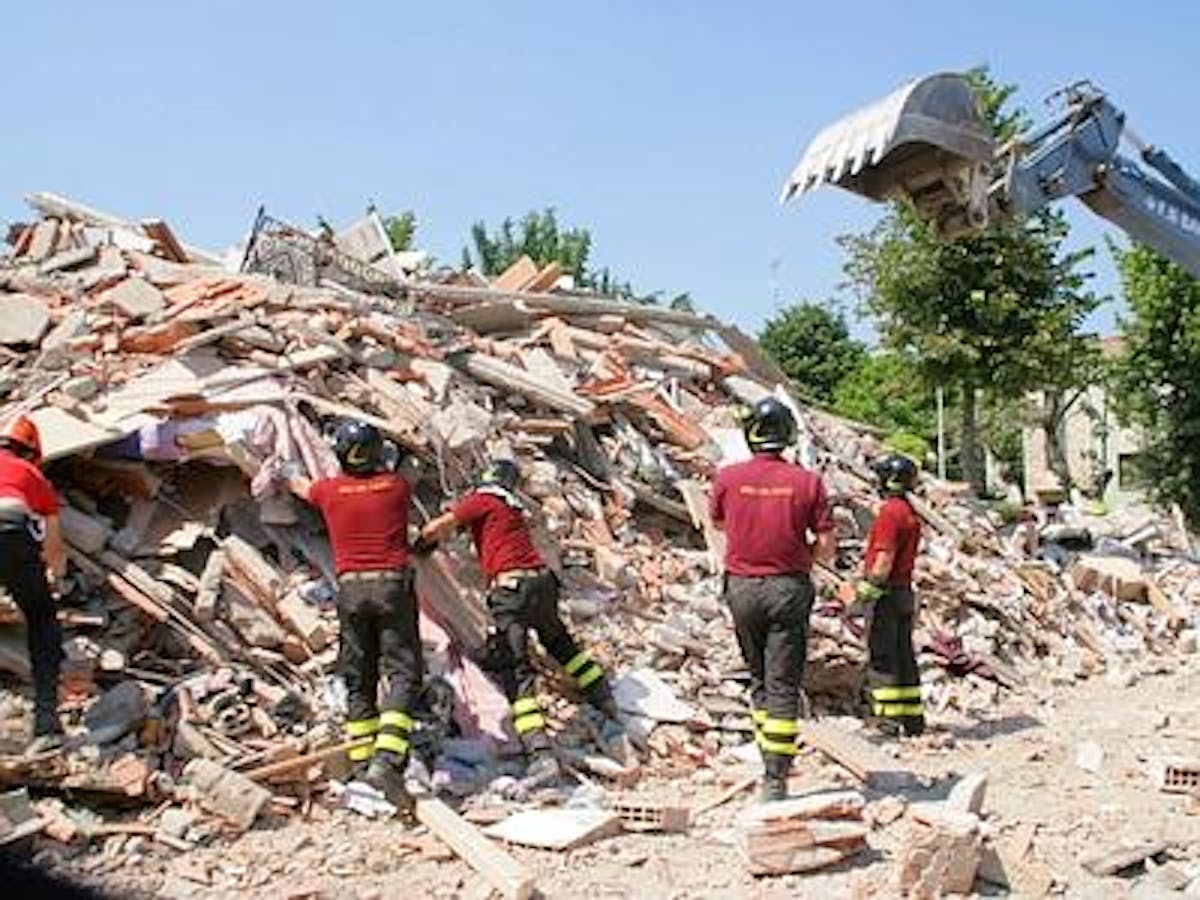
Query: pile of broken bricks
<point x="170" y="383"/>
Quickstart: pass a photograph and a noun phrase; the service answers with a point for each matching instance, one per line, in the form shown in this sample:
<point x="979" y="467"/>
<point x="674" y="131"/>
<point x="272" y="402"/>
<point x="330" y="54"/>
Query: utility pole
<point x="941" y="434"/>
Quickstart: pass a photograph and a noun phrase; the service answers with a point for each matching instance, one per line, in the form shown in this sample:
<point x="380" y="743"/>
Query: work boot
<point x="608" y="708"/>
<point x="543" y="769"/>
<point x="885" y="727"/>
<point x="913" y="726"/>
<point x="775" y="768"/>
<point x="386" y="774"/>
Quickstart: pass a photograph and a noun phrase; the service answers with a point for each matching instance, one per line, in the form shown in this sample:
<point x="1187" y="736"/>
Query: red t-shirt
<point x="22" y="480"/>
<point x="896" y="529"/>
<point x="501" y="534"/>
<point x="367" y="520"/>
<point x="766" y="505"/>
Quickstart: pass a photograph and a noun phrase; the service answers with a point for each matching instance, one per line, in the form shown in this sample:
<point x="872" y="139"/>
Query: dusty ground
<point x="1028" y="748"/>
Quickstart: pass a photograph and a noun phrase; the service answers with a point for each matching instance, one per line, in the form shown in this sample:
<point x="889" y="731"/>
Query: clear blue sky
<point x="667" y="128"/>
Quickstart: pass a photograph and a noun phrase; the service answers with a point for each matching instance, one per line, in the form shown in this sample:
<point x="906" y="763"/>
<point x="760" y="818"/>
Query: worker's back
<point x="367" y="520"/>
<point x="768" y="505"/>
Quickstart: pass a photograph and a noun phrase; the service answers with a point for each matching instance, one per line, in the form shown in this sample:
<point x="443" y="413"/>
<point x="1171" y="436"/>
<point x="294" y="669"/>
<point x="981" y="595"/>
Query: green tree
<point x="813" y="346"/>
<point x="539" y="236"/>
<point x="400" y="230"/>
<point x="1155" y="376"/>
<point x="995" y="314"/>
<point x="886" y="390"/>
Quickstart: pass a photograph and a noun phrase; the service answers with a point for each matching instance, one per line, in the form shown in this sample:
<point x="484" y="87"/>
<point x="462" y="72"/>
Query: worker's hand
<point x="423" y="546"/>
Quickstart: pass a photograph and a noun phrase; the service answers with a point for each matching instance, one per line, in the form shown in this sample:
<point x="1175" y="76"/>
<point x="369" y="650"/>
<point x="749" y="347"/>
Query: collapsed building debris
<point x="171" y="391"/>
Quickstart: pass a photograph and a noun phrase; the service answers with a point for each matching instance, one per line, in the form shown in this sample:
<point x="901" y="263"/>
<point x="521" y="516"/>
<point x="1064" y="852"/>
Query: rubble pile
<point x="171" y="390"/>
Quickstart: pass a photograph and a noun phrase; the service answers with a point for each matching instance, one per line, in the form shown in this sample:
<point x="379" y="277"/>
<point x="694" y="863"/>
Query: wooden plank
<point x="517" y="275"/>
<point x="728" y="794"/>
<point x="853" y="753"/>
<point x="264" y="580"/>
<point x="546" y="278"/>
<point x="210" y="586"/>
<point x="499" y="373"/>
<point x="300" y="763"/>
<point x="504" y="873"/>
<point x="564" y="305"/>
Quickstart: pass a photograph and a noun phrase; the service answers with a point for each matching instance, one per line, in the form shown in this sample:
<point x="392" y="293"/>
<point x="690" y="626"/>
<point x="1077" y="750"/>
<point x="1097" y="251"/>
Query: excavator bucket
<point x="926" y="142"/>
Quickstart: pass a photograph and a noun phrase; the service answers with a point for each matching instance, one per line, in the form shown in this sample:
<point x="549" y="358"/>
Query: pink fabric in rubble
<point x="284" y="437"/>
<point x="481" y="709"/>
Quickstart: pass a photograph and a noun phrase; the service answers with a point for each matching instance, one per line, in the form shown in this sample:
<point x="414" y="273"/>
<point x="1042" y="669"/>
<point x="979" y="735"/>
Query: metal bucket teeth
<point x="899" y="144"/>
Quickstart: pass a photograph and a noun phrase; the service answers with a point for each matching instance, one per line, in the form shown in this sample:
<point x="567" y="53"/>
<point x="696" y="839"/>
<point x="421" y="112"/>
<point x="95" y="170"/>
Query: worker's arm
<point x="826" y="547"/>
<point x="301" y="487"/>
<point x="716" y="504"/>
<point x="54" y="549"/>
<point x="881" y="566"/>
<point x="436" y="529"/>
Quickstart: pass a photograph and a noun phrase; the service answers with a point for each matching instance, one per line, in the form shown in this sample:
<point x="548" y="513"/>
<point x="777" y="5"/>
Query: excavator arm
<point x="928" y="143"/>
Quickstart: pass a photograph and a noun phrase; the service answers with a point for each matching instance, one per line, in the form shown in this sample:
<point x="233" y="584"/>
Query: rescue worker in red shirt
<point x="523" y="594"/>
<point x="32" y="557"/>
<point x="366" y="514"/>
<point x="893" y="679"/>
<point x="767" y="507"/>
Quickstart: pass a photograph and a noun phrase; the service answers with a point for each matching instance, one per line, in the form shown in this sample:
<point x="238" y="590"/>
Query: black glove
<point x="423" y="546"/>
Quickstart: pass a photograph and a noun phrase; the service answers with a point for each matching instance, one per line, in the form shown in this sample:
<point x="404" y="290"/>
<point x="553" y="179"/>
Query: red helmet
<point x="20" y="436"/>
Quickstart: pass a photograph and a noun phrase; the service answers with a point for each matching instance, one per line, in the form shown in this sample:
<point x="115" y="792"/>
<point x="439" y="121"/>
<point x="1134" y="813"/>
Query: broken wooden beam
<point x="501" y="374"/>
<point x="507" y="876"/>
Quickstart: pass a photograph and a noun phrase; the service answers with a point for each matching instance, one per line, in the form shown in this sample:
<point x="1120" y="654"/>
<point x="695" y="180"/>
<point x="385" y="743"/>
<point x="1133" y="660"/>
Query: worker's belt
<point x="15" y="517"/>
<point x="512" y="578"/>
<point x="373" y="575"/>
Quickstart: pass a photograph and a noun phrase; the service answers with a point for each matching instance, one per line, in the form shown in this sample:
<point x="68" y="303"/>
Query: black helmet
<point x="897" y="474"/>
<point x="359" y="447"/>
<point x="769" y="426"/>
<point x="503" y="472"/>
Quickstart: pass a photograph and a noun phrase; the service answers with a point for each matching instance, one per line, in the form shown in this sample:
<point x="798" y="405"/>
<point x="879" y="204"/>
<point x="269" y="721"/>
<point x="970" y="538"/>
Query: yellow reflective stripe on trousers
<point x="392" y="742"/>
<point x="396" y="719"/>
<point x="523" y="705"/>
<point x="783" y="728"/>
<point x="589" y="675"/>
<point x="784" y="748"/>
<point x="894" y="710"/>
<point x="759" y="716"/>
<point x="577" y="662"/>
<point x="361" y="727"/>
<point x="361" y="753"/>
<point x="904" y="692"/>
<point x="528" y="722"/>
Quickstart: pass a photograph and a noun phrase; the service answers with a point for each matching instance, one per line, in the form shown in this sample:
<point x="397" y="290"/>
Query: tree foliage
<point x="813" y="346"/>
<point x="997" y="312"/>
<point x="886" y="390"/>
<point x="401" y="229"/>
<point x="539" y="236"/>
<point x="1155" y="376"/>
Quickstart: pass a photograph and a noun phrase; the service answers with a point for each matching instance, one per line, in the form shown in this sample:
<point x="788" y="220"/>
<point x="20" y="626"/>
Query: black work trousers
<point x="23" y="574"/>
<point x="379" y="636"/>
<point x="521" y="604"/>
<point x="770" y="617"/>
<point x="893" y="679"/>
